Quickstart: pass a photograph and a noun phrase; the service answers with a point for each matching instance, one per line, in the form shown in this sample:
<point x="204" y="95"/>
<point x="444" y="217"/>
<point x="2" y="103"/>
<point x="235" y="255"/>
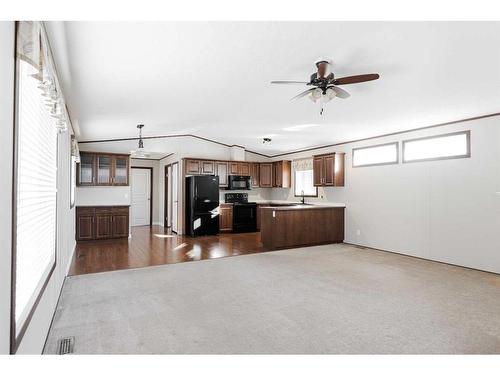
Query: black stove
<point x="244" y="212"/>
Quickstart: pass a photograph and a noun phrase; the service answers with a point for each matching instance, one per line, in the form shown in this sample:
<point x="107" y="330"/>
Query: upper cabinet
<point x="328" y="169"/>
<point x="221" y="171"/>
<point x="254" y="174"/>
<point x="86" y="170"/>
<point x="97" y="169"/>
<point x="282" y="173"/>
<point x="265" y="175"/>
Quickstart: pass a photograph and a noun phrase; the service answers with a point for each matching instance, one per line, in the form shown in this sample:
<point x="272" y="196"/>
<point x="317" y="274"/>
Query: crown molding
<point x="299" y="150"/>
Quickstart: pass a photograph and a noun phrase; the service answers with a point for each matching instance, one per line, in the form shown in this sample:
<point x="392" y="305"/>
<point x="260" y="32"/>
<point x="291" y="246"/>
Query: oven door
<point x="244" y="217"/>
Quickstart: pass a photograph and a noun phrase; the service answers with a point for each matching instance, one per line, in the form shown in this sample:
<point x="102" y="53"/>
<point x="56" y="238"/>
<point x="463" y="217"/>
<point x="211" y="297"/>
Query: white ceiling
<point x="212" y="78"/>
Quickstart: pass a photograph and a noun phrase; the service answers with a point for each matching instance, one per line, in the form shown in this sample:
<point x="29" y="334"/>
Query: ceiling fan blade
<point x="304" y="93"/>
<point x="341" y="93"/>
<point x="290" y="82"/>
<point x="355" y="79"/>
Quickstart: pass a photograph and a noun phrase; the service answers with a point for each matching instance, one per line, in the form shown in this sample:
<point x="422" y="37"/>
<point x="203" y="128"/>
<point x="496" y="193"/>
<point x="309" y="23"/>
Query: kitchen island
<point x="301" y="225"/>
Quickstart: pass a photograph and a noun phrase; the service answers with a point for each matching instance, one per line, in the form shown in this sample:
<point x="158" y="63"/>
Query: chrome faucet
<point x="303" y="199"/>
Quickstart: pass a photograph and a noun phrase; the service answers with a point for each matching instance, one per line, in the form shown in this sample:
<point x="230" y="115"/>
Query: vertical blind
<point x="36" y="193"/>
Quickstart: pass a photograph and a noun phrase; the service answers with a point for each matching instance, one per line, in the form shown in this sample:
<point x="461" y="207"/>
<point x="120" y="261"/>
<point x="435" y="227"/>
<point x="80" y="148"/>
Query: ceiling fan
<point x="325" y="85"/>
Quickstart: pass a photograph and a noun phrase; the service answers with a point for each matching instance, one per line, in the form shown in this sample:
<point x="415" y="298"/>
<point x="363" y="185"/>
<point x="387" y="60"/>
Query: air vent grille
<point x="65" y="345"/>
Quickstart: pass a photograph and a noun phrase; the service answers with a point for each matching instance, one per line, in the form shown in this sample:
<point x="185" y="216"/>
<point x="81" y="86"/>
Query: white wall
<point x="6" y="119"/>
<point x="35" y="335"/>
<point x="102" y="196"/>
<point x="446" y="210"/>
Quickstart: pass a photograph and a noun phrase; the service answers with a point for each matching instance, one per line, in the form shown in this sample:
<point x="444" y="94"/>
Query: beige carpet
<point x="325" y="299"/>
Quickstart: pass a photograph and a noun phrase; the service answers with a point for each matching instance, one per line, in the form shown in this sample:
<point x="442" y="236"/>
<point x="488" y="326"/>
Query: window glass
<point x="375" y="155"/>
<point x="446" y="146"/>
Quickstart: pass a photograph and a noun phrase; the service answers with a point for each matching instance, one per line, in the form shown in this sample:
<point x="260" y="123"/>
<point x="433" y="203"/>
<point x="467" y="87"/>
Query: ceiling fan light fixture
<point x="330" y="93"/>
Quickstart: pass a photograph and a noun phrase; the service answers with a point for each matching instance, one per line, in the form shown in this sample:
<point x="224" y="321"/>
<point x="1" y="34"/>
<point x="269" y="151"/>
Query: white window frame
<point x="18" y="328"/>
<point x="295" y="185"/>
<point x="466" y="155"/>
<point x="375" y="146"/>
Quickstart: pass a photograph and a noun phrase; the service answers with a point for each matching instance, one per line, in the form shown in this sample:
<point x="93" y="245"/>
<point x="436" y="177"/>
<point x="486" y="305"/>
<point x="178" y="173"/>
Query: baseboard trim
<point x="421" y="258"/>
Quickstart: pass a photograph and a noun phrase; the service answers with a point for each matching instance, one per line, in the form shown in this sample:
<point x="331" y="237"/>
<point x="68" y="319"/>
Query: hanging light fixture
<point x="139" y="152"/>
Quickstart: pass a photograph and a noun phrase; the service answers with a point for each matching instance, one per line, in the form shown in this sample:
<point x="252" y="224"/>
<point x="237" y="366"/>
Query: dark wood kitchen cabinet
<point x="234" y="168"/>
<point x="207" y="167"/>
<point x="98" y="223"/>
<point x="244" y="169"/>
<point x="99" y="169"/>
<point x="254" y="174"/>
<point x="282" y="173"/>
<point x="221" y="171"/>
<point x="266" y="175"/>
<point x="328" y="169"/>
<point x="193" y="166"/>
<point x="225" y="217"/>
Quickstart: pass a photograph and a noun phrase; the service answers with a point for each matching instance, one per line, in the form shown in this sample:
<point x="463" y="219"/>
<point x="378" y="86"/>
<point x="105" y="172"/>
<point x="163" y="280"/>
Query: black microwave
<point x="239" y="183"/>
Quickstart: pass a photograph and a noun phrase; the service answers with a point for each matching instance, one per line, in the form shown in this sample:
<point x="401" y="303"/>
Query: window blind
<point x="36" y="193"/>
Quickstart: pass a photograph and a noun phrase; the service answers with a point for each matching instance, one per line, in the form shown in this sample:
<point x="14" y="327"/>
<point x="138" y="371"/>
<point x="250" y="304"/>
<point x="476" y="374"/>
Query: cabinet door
<point x="120" y="170"/>
<point x="277" y="173"/>
<point x="103" y="225"/>
<point x="207" y="167"/>
<point x="244" y="169"/>
<point x="226" y="217"/>
<point x="85" y="226"/>
<point x="266" y="174"/>
<point x="318" y="171"/>
<point x="86" y="170"/>
<point x="104" y="169"/>
<point x="192" y="167"/>
<point x="221" y="171"/>
<point x="329" y="170"/>
<point x="339" y="169"/>
<point x="120" y="225"/>
<point x="234" y="168"/>
<point x="254" y="174"/>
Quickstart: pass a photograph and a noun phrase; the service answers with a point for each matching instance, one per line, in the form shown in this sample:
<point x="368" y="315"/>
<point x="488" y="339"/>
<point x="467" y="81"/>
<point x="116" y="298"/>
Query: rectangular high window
<point x="375" y="155"/>
<point x="446" y="146"/>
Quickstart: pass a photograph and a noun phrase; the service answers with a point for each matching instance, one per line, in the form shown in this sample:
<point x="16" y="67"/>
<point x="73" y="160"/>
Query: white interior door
<point x="175" y="198"/>
<point x="169" y="196"/>
<point x="141" y="196"/>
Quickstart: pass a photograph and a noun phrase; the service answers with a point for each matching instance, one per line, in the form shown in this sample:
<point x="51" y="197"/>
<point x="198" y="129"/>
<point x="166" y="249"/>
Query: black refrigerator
<point x="202" y="202"/>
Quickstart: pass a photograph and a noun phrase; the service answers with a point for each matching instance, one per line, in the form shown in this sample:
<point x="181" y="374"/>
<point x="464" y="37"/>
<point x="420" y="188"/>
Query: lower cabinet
<point x="99" y="223"/>
<point x="225" y="217"/>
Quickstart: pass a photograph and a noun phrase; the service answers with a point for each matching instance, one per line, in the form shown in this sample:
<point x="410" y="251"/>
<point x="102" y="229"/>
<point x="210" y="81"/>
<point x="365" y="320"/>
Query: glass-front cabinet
<point x="104" y="171"/>
<point x="86" y="170"/>
<point x="96" y="169"/>
<point x="120" y="169"/>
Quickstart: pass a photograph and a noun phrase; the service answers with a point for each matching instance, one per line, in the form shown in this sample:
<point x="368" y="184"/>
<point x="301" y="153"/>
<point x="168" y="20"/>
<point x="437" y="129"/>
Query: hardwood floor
<point x="151" y="246"/>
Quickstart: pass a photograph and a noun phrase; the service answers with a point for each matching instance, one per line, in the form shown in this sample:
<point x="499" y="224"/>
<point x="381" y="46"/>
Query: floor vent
<point x="65" y="345"/>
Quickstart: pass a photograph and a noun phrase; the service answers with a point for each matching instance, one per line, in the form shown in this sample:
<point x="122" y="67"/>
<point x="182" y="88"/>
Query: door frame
<point x="150" y="192"/>
<point x="168" y="209"/>
<point x="166" y="212"/>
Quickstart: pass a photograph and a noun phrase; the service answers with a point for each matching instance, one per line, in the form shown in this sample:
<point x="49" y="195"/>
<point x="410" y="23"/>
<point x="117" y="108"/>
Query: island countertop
<point x="305" y="206"/>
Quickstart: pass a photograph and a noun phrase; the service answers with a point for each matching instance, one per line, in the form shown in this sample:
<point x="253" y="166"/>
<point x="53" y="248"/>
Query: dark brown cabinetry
<point x="98" y="169"/>
<point x="266" y="174"/>
<point x="221" y="171"/>
<point x="225" y="217"/>
<point x="282" y="173"/>
<point x="193" y="167"/>
<point x="97" y="223"/>
<point x="328" y="169"/>
<point x="207" y="167"/>
<point x="254" y="174"/>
